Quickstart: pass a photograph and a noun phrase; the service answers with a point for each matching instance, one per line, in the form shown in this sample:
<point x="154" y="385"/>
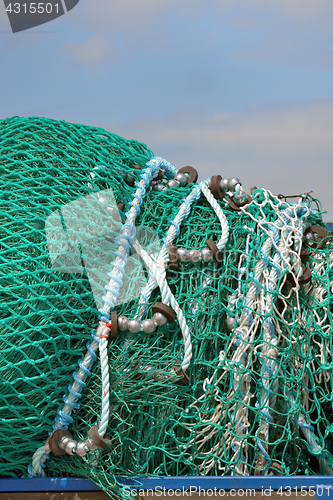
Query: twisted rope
<point x="169" y="299"/>
<point x="219" y="212"/>
<point x="163" y="256"/>
<point x="127" y="234"/>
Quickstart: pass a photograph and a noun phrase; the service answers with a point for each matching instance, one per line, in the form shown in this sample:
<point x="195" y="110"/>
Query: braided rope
<point x="219" y="212"/>
<point x="280" y="262"/>
<point x="36" y="469"/>
<point x="267" y="357"/>
<point x="307" y="430"/>
<point x="127" y="234"/>
<point x="163" y="256"/>
<point x="169" y="299"/>
<point x="103" y="353"/>
<point x="277" y="257"/>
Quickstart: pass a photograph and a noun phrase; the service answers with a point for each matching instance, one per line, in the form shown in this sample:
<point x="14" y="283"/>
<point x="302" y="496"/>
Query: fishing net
<point x="234" y="374"/>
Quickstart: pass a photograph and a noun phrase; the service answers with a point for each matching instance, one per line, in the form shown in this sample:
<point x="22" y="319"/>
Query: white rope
<point x="103" y="353"/>
<point x="281" y="234"/>
<point x="258" y="301"/>
<point x="169" y="299"/>
<point x="219" y="212"/>
<point x="163" y="256"/>
<point x="127" y="233"/>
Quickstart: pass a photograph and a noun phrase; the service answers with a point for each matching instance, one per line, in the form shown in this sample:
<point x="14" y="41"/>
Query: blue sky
<point x="233" y="87"/>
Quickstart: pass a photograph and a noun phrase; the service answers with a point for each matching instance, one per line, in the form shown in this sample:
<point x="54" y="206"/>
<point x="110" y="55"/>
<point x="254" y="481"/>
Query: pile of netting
<point x="211" y="350"/>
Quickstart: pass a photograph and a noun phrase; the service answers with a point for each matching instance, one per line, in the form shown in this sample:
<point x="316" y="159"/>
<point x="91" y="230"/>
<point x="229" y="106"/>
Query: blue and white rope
<point x="163" y="256"/>
<point x="204" y="186"/>
<point x="127" y="235"/>
<point x="169" y="299"/>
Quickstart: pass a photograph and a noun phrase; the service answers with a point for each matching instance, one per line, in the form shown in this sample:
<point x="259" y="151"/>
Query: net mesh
<point x="259" y="397"/>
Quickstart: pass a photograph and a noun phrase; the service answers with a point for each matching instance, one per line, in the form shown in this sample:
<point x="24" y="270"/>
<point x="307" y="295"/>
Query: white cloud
<point x="287" y="50"/>
<point x="124" y="14"/>
<point x="133" y="14"/>
<point x="287" y="148"/>
<point x="302" y="10"/>
<point x="284" y="33"/>
<point x="89" y="52"/>
<point x="287" y="31"/>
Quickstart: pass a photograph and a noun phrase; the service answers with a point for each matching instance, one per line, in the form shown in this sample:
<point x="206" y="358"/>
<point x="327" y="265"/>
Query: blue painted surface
<point x="330" y="226"/>
<point x="321" y="485"/>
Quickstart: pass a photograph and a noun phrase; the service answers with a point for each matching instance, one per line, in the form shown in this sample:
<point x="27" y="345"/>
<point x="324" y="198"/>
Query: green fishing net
<point x="256" y="398"/>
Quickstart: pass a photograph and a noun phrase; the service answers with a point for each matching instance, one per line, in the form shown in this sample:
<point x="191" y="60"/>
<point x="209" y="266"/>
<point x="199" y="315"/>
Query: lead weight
<point x="159" y="319"/>
<point x="167" y="311"/>
<point x="181" y="178"/>
<point x="123" y="323"/>
<point x="91" y="445"/>
<point x="236" y="206"/>
<point x="159" y="175"/>
<point x="218" y="257"/>
<point x="173" y="258"/>
<point x="64" y="441"/>
<point x="134" y="325"/>
<point x="306" y="276"/>
<point x="302" y="280"/>
<point x="193" y="174"/>
<point x="224" y="184"/>
<point x="172" y="183"/>
<point x="277" y="466"/>
<point x="206" y="254"/>
<point x="232" y="183"/>
<point x="114" y="325"/>
<point x="230" y="323"/>
<point x="305" y="254"/>
<point x="184" y="378"/>
<point x="148" y="326"/>
<point x="55" y="440"/>
<point x="81" y="449"/>
<point x="71" y="447"/>
<point x="158" y="187"/>
<point x="194" y="255"/>
<point x="316" y="236"/>
<point x="182" y="254"/>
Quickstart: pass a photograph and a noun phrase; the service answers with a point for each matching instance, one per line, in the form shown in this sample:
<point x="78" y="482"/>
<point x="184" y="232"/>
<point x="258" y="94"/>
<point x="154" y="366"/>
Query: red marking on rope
<point x="104" y="337"/>
<point x="108" y="325"/>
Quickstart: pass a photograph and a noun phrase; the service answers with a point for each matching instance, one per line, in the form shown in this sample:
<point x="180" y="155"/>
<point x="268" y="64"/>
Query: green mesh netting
<point x="259" y="397"/>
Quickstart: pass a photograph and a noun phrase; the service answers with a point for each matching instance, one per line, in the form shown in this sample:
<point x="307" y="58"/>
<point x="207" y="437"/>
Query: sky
<point x="240" y="88"/>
